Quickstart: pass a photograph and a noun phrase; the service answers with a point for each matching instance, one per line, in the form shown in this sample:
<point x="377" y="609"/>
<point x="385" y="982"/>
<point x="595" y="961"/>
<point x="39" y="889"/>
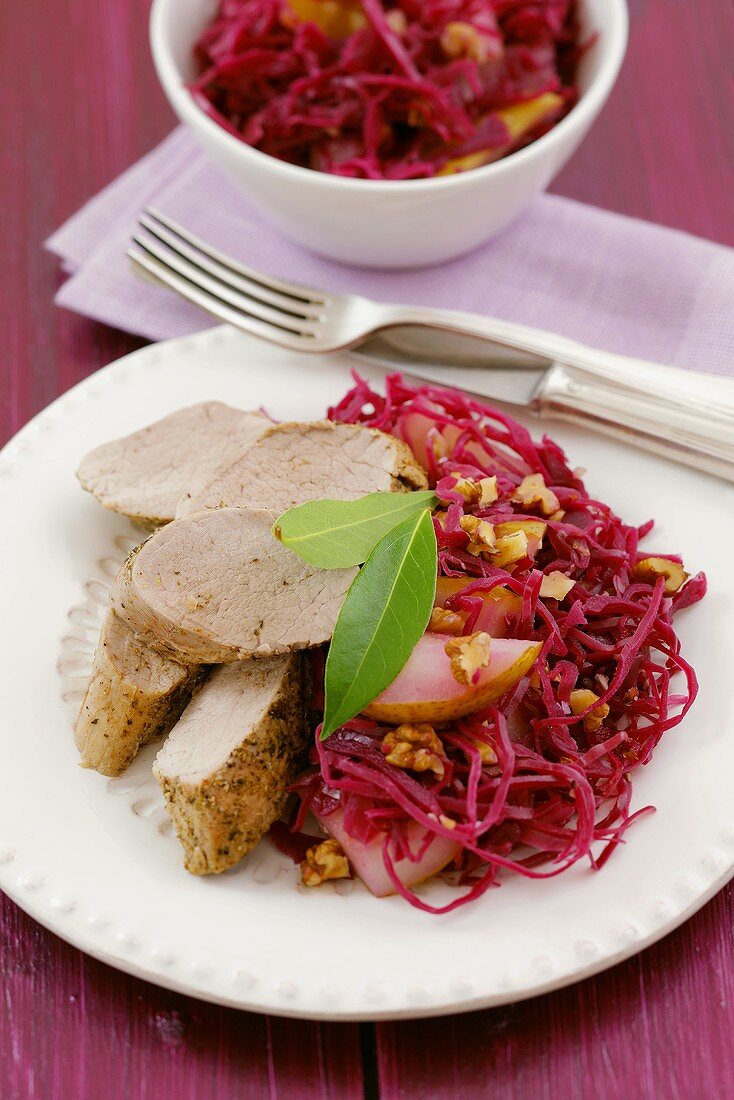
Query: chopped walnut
<point x="463" y="40"/>
<point x="445" y="622"/>
<point x="649" y="569"/>
<point x="468" y="654"/>
<point x="582" y="698"/>
<point x="533" y="491"/>
<point x="481" y="535"/>
<point x="324" y="861"/>
<point x="535" y="529"/>
<point x="415" y="748"/>
<point x="466" y="488"/>
<point x="556" y="585"/>
<point x="486" y="753"/>
<point x="397" y="20"/>
<point x="477" y="494"/>
<point x="488" y="491"/>
<point x="510" y="549"/>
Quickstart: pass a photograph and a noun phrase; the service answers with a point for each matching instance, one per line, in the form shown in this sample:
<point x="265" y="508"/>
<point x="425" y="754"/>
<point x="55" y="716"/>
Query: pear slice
<point x="366" y="858"/>
<point x="499" y="604"/>
<point x="520" y="119"/>
<point x="426" y="690"/>
<point x="414" y="427"/>
<point x="336" y="18"/>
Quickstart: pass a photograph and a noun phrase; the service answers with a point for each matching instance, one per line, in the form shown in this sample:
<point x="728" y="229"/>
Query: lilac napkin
<point x="607" y="280"/>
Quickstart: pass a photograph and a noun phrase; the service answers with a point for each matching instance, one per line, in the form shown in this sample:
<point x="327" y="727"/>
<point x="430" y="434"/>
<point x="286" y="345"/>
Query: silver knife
<point x="556" y="388"/>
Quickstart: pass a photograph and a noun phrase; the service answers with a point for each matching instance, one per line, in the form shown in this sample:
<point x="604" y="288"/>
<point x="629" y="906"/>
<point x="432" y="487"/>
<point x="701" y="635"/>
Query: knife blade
<point x="681" y="417"/>
<point x="499" y="373"/>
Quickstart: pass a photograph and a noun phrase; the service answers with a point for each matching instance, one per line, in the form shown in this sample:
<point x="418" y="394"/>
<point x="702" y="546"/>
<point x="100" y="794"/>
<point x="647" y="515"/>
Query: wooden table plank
<point x="78" y="103"/>
<point x="659" y="1026"/>
<point x="663" y="148"/>
<point x="74" y="1027"/>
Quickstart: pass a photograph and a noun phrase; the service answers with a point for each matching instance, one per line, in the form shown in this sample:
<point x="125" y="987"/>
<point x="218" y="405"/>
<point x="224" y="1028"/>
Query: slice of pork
<point x="226" y="767"/>
<point x="134" y="694"/>
<point x="218" y="587"/>
<point x="293" y="463"/>
<point x="145" y="474"/>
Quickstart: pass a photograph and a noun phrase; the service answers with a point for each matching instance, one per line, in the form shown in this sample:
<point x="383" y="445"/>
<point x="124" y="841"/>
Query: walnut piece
<point x="556" y="585"/>
<point x="467" y="655"/>
<point x="533" y="491"/>
<point x="397" y="20"/>
<point x="649" y="569"/>
<point x="463" y="40"/>
<point x="324" y="861"/>
<point x="488" y="491"/>
<point x="486" y="752"/>
<point x="415" y="748"/>
<point x="445" y="622"/>
<point x="477" y="494"/>
<point x="535" y="529"/>
<point x="510" y="549"/>
<point x="481" y="535"/>
<point x="582" y="698"/>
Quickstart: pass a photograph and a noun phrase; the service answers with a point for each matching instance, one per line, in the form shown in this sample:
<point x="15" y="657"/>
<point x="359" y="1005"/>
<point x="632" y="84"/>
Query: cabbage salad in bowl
<point x="388" y="89"/>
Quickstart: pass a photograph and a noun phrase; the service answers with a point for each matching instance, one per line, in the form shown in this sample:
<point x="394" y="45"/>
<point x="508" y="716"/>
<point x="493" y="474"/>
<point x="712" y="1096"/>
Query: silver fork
<point x="685" y="416"/>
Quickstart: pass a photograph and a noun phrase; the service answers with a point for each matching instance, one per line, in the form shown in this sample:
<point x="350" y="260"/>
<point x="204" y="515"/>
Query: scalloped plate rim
<point x="67" y="924"/>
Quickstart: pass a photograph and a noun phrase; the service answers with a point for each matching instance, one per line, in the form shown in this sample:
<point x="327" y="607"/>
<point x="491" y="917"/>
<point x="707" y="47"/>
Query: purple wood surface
<point x="78" y="103"/>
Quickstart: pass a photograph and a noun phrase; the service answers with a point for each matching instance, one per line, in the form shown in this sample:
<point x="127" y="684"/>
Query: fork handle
<point x="682" y="415"/>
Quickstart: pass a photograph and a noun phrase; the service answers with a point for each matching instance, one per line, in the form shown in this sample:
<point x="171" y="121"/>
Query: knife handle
<point x="682" y="416"/>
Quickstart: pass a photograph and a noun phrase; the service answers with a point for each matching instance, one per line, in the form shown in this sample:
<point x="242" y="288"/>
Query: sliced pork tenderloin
<point x="226" y="766"/>
<point x="134" y="694"/>
<point x="144" y="475"/>
<point x="217" y="587"/>
<point x="292" y="463"/>
<point x="197" y="601"/>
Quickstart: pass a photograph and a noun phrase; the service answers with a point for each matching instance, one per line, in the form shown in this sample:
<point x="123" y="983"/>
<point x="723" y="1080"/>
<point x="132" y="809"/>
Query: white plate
<point x="93" y="860"/>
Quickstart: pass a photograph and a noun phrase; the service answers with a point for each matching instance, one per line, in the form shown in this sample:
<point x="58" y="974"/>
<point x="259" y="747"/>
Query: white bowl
<point x="376" y="223"/>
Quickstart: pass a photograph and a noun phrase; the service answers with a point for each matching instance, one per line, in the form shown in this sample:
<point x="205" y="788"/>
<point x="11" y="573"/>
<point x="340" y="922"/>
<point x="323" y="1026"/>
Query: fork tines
<point x="222" y="286"/>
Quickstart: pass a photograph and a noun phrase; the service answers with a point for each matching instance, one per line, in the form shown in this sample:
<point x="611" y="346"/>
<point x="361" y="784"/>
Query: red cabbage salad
<point x="581" y="620"/>
<point x="388" y="89"/>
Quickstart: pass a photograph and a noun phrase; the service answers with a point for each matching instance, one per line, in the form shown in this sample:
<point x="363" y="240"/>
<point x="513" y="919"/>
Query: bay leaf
<point x="335" y="534"/>
<point x="384" y="614"/>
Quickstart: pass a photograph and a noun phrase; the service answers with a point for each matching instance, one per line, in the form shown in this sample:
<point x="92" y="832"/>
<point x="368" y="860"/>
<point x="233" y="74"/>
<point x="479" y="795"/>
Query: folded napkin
<point x="607" y="280"/>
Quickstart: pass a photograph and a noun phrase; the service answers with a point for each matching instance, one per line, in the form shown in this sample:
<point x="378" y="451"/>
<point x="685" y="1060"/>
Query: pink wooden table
<point x="78" y="103"/>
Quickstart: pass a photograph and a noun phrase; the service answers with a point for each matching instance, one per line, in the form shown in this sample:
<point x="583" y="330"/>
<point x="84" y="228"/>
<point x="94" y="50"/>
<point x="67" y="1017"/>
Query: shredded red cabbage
<point x="557" y="793"/>
<point x="388" y="89"/>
